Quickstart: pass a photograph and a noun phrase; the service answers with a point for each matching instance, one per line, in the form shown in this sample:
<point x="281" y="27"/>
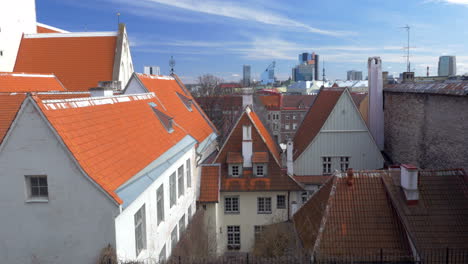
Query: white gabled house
<point x="332" y="137"/>
<point x="87" y="172"/>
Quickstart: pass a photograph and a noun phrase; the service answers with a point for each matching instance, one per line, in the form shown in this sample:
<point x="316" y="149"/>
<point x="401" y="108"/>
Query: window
<point x="286" y="126"/>
<point x="344" y="163"/>
<point x="260" y="170"/>
<point x="182" y="225"/>
<point x="180" y="180"/>
<point x="160" y="203"/>
<point x="269" y="117"/>
<point x="37" y="188"/>
<point x="189" y="173"/>
<point x="174" y="238"/>
<point x="294" y="126"/>
<point x="172" y="191"/>
<point x="258" y="232"/>
<point x="280" y="201"/>
<point x="264" y="205"/>
<point x="162" y="255"/>
<point x="294" y="117"/>
<point x="287" y="117"/>
<point x="304" y="197"/>
<point x="235" y="170"/>
<point x="326" y="165"/>
<point x="233" y="237"/>
<point x="1" y="52"/>
<point x="140" y="230"/>
<point x="231" y="205"/>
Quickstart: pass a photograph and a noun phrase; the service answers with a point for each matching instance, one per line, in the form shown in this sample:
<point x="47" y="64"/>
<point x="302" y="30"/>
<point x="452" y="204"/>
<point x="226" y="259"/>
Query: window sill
<point x="264" y="212"/>
<point x="37" y="200"/>
<point x="232" y="213"/>
<point x="281" y="208"/>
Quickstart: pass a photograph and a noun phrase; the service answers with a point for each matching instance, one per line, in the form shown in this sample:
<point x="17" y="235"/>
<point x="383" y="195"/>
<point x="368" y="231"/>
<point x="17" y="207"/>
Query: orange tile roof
<point x="16" y="82"/>
<point x="209" y="185"/>
<point x="80" y="62"/>
<point x="112" y="141"/>
<point x="315" y="118"/>
<point x="272" y="146"/>
<point x="62" y="95"/>
<point x="271" y="101"/>
<point x="312" y="179"/>
<point x="9" y="107"/>
<point x="234" y="157"/>
<point x="166" y="90"/>
<point x="260" y="157"/>
<point x="43" y="29"/>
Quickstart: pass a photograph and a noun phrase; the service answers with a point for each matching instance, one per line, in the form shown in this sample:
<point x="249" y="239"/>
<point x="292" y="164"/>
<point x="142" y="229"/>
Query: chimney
<point x="409" y="183"/>
<point x="101" y="92"/>
<point x="247" y="100"/>
<point x="376" y="114"/>
<point x="350" y="177"/>
<point x="408" y="77"/>
<point x="247" y="144"/>
<point x="289" y="157"/>
<point x="114" y="85"/>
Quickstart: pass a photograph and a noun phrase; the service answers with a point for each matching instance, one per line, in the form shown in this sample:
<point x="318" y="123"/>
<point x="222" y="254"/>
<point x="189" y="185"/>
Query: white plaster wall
<point x="16" y="17"/>
<point x="247" y="217"/>
<point x="343" y="134"/>
<point x="76" y="222"/>
<point x="126" y="63"/>
<point x="134" y="87"/>
<point x="157" y="236"/>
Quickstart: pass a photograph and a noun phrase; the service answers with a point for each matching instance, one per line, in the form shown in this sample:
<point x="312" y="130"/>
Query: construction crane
<point x="268" y="76"/>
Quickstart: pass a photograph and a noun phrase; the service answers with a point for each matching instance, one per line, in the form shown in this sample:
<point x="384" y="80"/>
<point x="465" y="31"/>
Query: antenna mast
<point x="408" y="65"/>
<point x="172" y="64"/>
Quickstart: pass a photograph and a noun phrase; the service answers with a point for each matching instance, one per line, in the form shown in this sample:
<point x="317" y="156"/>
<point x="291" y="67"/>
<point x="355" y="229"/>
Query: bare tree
<point x="209" y="85"/>
<point x="278" y="240"/>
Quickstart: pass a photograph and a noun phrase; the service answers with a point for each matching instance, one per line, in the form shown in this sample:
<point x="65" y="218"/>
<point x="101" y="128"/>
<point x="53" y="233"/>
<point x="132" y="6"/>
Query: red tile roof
<point x="16" y="82"/>
<point x="260" y="157"/>
<point x="62" y="95"/>
<point x="41" y="28"/>
<point x="111" y="141"/>
<point x="9" y="107"/>
<point x="315" y="118"/>
<point x="312" y="179"/>
<point x="271" y="101"/>
<point x="355" y="220"/>
<point x="439" y="219"/>
<point x="79" y="61"/>
<point x="297" y="101"/>
<point x="269" y="141"/>
<point x="166" y="90"/>
<point x="209" y="185"/>
<point x="234" y="157"/>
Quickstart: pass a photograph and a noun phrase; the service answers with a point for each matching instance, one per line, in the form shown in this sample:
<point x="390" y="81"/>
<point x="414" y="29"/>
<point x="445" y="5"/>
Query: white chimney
<point x="247" y="145"/>
<point x="375" y="111"/>
<point x="289" y="157"/>
<point x="409" y="183"/>
<point x="247" y="100"/>
<point x="101" y="92"/>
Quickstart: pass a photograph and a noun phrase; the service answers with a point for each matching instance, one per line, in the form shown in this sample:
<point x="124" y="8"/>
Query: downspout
<point x="289" y="205"/>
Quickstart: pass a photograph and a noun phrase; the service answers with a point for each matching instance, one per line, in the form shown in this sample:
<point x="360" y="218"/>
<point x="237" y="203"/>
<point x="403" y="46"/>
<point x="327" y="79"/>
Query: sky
<point x="218" y="37"/>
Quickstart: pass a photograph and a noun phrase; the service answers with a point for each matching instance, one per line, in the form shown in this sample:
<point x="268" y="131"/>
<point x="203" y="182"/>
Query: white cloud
<point x="455" y="2"/>
<point x="230" y="10"/>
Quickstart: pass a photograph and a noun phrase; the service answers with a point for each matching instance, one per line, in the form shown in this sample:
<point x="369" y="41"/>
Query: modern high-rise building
<point x="447" y="66"/>
<point x="308" y="68"/>
<point x="153" y="70"/>
<point x="268" y="76"/>
<point x="246" y="75"/>
<point x="354" y="75"/>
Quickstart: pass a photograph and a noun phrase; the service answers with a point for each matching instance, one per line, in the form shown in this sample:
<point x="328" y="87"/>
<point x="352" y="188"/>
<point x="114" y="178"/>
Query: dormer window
<point x="187" y="101"/>
<point x="260" y="170"/>
<point x="235" y="170"/>
<point x="234" y="161"/>
<point x="166" y="120"/>
<point x="260" y="164"/>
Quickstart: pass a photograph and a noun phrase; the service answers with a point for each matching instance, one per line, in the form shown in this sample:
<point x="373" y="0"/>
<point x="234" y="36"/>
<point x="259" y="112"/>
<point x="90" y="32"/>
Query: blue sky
<point x="218" y="37"/>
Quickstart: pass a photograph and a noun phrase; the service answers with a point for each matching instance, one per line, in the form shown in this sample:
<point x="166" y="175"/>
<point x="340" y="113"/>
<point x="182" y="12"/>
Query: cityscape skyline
<point x="260" y="32"/>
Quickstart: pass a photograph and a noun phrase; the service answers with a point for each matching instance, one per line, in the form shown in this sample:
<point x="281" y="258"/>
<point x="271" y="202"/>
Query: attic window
<point x="187" y="101"/>
<point x="166" y="120"/>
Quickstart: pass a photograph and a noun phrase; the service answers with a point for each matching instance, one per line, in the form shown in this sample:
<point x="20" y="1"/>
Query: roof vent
<point x="187" y="101"/>
<point x="166" y="120"/>
<point x="114" y="85"/>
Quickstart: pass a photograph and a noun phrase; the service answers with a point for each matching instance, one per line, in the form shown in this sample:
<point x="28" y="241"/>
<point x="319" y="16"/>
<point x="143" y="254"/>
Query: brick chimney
<point x="350" y="177"/>
<point x="289" y="157"/>
<point x="409" y="183"/>
<point x="247" y="143"/>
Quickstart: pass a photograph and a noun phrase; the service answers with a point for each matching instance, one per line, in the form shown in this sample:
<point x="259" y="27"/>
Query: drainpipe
<point x="289" y="192"/>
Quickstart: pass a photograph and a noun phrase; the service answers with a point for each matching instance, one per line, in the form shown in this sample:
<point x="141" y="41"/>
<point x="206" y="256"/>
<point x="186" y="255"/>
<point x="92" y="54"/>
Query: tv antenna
<point x="408" y="65"/>
<point x="172" y="64"/>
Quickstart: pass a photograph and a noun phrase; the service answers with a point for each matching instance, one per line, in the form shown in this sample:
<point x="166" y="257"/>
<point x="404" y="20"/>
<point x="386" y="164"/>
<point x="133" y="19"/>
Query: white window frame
<point x="326" y="165"/>
<point x="140" y="229"/>
<point x="188" y="170"/>
<point x="258" y="166"/>
<point x="160" y="204"/>
<point x="42" y="188"/>
<point x="263" y="205"/>
<point x="180" y="181"/>
<point x="172" y="190"/>
<point x="231" y="205"/>
<point x="286" y="126"/>
<point x="258" y="229"/>
<point x="233" y="237"/>
<point x="344" y="163"/>
<point x="283" y="205"/>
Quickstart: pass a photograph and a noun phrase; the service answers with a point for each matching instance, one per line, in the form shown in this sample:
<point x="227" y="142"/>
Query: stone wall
<point x="427" y="130"/>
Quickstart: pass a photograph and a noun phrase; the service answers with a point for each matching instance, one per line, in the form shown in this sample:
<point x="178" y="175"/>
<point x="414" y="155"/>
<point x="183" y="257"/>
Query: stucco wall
<point x="76" y="222"/>
<point x="247" y="218"/>
<point x="157" y="236"/>
<point x="427" y="130"/>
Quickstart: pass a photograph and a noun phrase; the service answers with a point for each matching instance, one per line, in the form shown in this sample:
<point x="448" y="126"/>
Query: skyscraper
<point x="246" y="75"/>
<point x="308" y="68"/>
<point x="354" y="75"/>
<point x="447" y="66"/>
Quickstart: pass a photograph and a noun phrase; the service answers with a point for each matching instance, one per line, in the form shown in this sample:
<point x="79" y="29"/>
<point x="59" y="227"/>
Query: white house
<point x="244" y="188"/>
<point x="333" y="136"/>
<point x="83" y="173"/>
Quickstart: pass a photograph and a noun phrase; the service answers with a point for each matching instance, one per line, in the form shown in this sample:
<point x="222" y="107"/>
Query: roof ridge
<point x="92" y="101"/>
<point x="72" y="35"/>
